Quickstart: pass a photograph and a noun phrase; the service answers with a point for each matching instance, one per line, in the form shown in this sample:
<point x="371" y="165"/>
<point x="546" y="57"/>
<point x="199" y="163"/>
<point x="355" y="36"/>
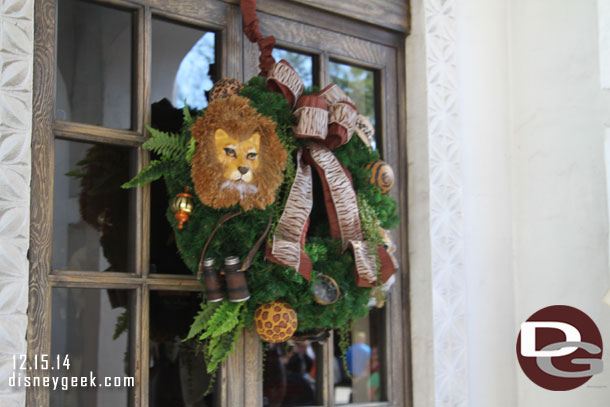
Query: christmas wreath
<point x="270" y="195"/>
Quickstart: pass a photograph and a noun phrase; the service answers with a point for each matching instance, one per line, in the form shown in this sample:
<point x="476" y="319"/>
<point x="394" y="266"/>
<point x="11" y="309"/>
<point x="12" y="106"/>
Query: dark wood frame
<point x="327" y="35"/>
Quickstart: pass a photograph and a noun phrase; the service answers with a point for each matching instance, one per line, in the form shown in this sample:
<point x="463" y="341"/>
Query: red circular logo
<point x="560" y="348"/>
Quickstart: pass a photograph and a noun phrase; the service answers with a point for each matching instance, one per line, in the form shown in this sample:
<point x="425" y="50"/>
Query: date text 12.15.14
<point x="41" y="362"/>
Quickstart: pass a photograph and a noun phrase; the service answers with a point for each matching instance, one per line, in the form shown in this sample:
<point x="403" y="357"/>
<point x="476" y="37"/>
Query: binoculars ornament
<point x="230" y="275"/>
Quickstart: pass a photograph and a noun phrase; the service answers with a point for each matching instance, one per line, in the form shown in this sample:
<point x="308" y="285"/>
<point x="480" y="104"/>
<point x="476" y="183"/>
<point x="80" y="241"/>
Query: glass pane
<point x="92" y="215"/>
<point x="183" y="64"/>
<point x="178" y="374"/>
<point x="291" y="376"/>
<point x="183" y="70"/>
<point x="302" y="63"/>
<point x="361" y="376"/>
<point x="91" y="338"/>
<point x="94" y="64"/>
<point x="164" y="255"/>
<point x="359" y="84"/>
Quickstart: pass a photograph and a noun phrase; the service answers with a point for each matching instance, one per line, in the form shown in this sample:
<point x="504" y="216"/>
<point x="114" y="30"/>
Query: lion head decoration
<point x="239" y="158"/>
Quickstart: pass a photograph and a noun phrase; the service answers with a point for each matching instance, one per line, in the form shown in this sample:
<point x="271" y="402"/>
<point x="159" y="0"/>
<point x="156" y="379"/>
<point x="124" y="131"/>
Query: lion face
<point x="239" y="158"/>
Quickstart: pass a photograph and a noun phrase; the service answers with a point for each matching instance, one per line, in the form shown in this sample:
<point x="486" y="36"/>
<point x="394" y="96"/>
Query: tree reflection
<point x="359" y="84"/>
<point x="193" y="78"/>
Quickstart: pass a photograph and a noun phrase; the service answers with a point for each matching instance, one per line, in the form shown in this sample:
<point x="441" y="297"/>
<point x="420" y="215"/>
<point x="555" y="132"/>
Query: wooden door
<point x="95" y="256"/>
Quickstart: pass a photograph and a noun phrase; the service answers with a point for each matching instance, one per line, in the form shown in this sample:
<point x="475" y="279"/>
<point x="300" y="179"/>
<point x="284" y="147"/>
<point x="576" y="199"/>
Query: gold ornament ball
<point x="382" y="175"/>
<point x="182" y="206"/>
<point x="275" y="322"/>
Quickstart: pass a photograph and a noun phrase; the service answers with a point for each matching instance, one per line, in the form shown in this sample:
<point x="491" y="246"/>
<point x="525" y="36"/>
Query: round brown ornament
<point x="224" y="88"/>
<point x="382" y="175"/>
<point x="275" y="322"/>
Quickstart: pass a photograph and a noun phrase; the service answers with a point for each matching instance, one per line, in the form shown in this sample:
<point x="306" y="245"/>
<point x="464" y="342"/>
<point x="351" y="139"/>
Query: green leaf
<point x="222" y="350"/>
<point x="168" y="146"/>
<point x="153" y="172"/>
<point x="224" y="320"/>
<point x="190" y="150"/>
<point x="201" y="320"/>
<point x="186" y="115"/>
<point x="75" y="173"/>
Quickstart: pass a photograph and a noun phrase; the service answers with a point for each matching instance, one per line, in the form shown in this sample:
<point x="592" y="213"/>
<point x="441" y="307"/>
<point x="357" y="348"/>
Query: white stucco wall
<point x="560" y="220"/>
<point x="483" y="67"/>
<point x="603" y="7"/>
<point x="16" y="62"/>
<point x="530" y="124"/>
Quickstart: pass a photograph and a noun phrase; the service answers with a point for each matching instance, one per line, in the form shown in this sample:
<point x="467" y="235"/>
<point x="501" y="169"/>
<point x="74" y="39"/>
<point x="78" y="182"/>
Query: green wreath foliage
<point x="217" y="324"/>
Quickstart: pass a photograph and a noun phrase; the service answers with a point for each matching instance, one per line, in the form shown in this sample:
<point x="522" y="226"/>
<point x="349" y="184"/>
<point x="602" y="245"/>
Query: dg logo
<point x="560" y="348"/>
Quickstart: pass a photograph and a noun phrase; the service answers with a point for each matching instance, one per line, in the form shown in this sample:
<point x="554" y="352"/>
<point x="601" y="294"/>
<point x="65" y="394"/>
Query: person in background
<point x="358" y="356"/>
<point x="375" y="379"/>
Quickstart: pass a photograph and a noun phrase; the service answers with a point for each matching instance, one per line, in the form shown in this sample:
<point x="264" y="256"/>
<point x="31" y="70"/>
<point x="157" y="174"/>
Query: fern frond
<point x="222" y="349"/>
<point x="186" y="115"/>
<point x="223" y="320"/>
<point x="202" y="319"/>
<point x="153" y="172"/>
<point x="169" y="146"/>
<point x="190" y="150"/>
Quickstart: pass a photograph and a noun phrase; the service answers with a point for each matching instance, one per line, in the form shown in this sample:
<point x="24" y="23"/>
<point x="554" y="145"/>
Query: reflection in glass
<point x="302" y="64"/>
<point x="91" y="326"/>
<point x="178" y="374"/>
<point x="359" y="84"/>
<point x="359" y="378"/>
<point x="91" y="212"/>
<point x="290" y="374"/>
<point x="94" y="64"/>
<point x="183" y="64"/>
<point x="164" y="255"/>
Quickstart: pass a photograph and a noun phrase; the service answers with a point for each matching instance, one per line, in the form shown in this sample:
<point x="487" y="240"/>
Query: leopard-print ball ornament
<point x="225" y="88"/>
<point x="275" y="321"/>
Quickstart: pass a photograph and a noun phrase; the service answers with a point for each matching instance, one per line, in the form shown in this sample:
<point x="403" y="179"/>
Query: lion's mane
<point x="235" y="115"/>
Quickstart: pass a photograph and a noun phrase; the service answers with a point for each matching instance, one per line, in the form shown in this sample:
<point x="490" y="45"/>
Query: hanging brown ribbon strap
<point x="219" y="222"/>
<point x="265" y="44"/>
<point x="246" y="264"/>
<point x="224" y="218"/>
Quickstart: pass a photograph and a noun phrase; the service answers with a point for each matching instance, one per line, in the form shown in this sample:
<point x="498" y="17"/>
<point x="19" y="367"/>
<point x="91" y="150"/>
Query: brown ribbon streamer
<point x="252" y="31"/>
<point x="288" y="239"/>
<point x="312" y="118"/>
<point x="284" y="79"/>
<point x="364" y="257"/>
<point x="339" y="196"/>
<point x="343" y="215"/>
<point x="328" y="117"/>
